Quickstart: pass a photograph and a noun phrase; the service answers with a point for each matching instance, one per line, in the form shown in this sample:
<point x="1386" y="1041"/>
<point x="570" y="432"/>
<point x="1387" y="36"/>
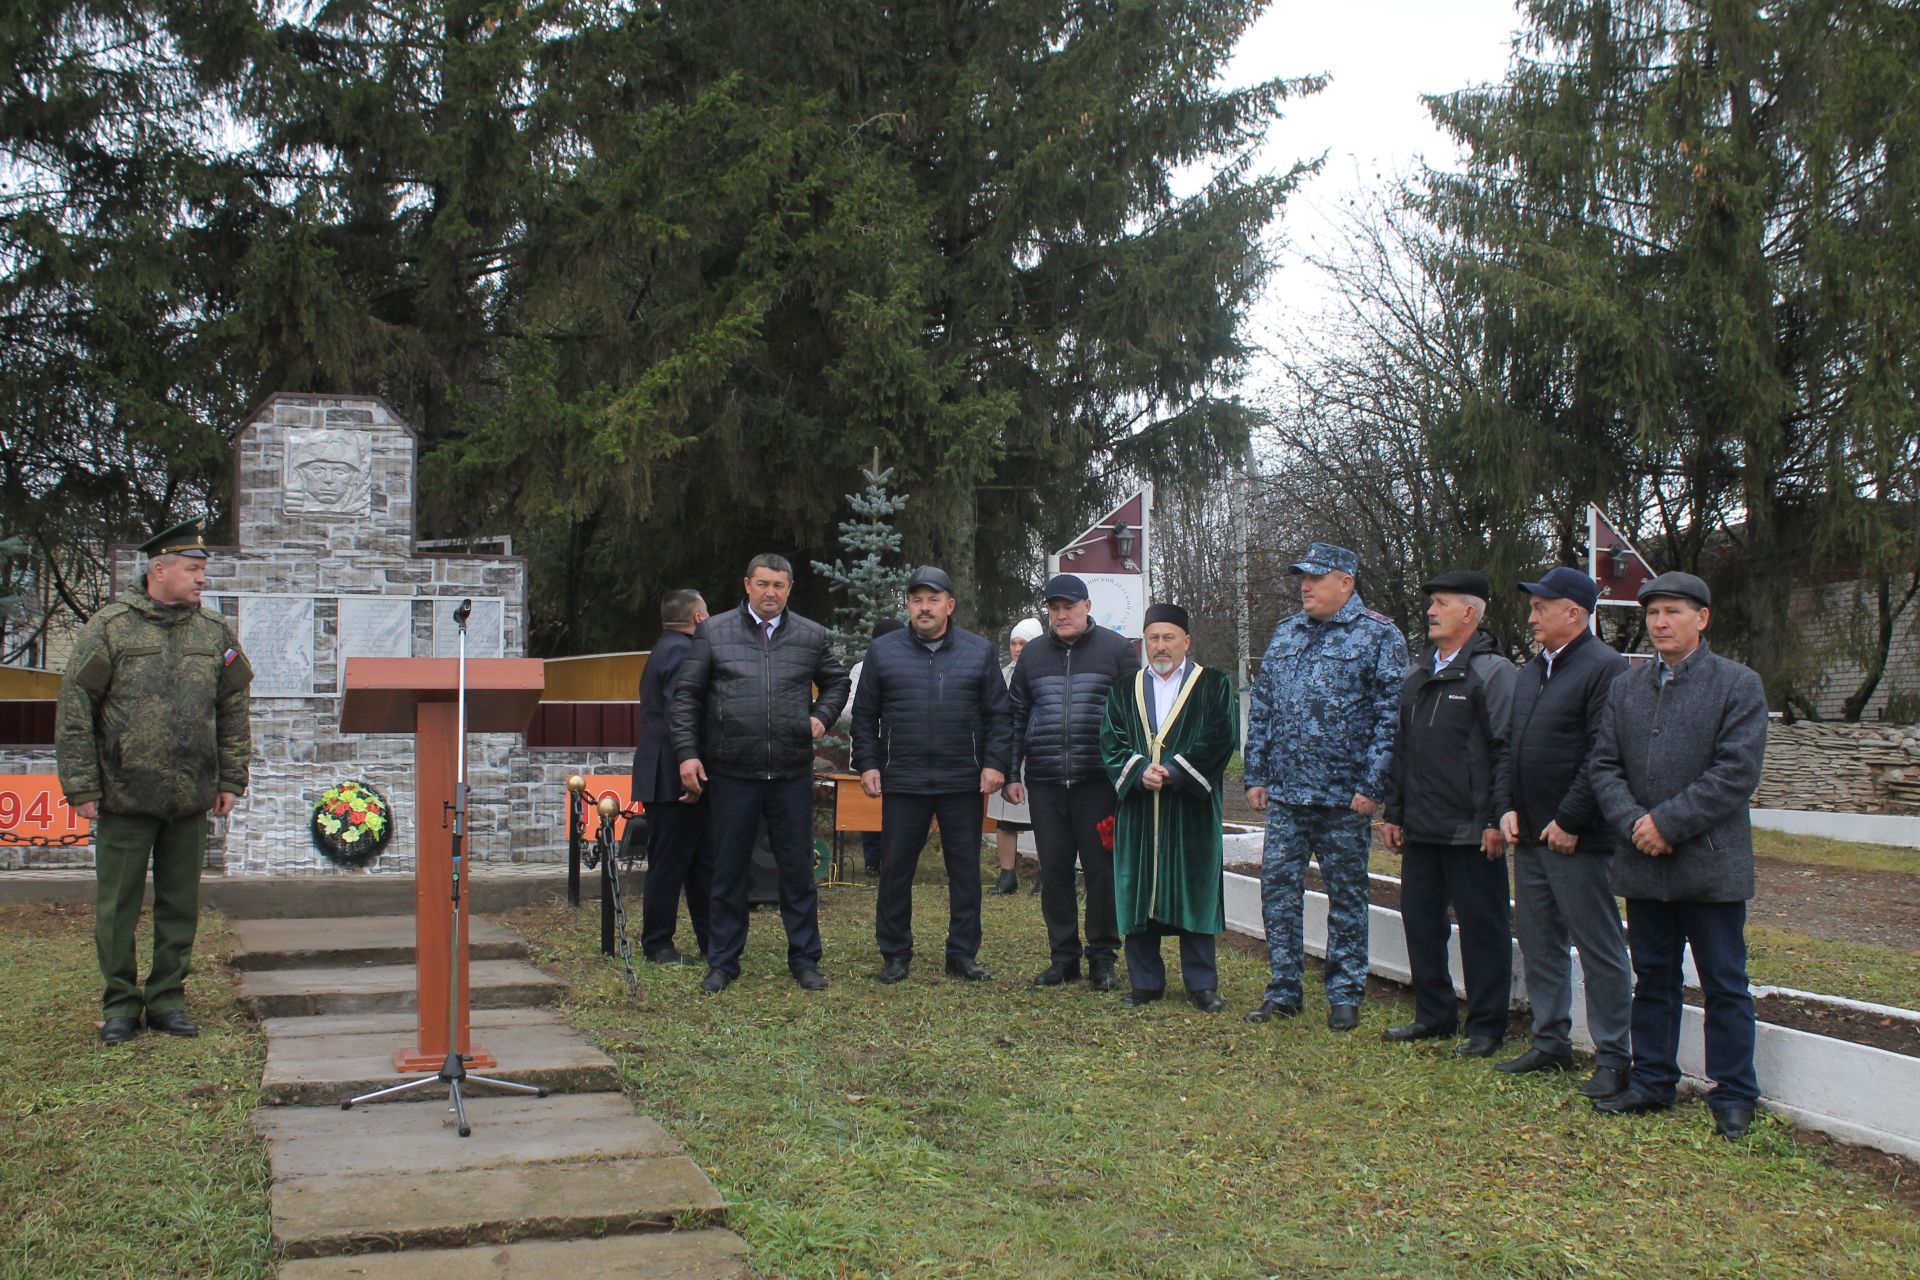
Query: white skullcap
<point x="1028" y="629"/>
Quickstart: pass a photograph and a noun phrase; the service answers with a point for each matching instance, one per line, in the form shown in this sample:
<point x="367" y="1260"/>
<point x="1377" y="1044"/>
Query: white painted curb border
<point x="1853" y="1091"/>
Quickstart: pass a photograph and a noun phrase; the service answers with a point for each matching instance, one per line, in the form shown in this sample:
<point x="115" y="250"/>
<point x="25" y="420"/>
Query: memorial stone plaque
<point x="486" y="629"/>
<point x="374" y="627"/>
<point x="277" y="635"/>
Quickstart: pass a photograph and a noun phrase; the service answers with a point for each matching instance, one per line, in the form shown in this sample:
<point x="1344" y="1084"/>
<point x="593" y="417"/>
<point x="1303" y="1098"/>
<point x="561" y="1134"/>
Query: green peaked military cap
<point x="184" y="539"/>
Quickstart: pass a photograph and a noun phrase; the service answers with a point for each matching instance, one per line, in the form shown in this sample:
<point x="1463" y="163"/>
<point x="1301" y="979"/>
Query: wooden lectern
<point x="417" y="696"/>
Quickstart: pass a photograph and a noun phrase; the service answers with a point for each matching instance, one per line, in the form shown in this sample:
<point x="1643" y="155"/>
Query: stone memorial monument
<point x="324" y="569"/>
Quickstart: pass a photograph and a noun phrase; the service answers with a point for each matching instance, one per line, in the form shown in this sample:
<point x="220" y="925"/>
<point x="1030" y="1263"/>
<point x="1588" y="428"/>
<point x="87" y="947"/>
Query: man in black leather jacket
<point x="1059" y="696"/>
<point x="745" y="717"/>
<point x="931" y="738"/>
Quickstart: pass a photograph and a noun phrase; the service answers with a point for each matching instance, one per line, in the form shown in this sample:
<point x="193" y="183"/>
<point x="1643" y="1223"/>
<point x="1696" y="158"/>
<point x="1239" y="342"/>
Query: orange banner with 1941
<point x="33" y="808"/>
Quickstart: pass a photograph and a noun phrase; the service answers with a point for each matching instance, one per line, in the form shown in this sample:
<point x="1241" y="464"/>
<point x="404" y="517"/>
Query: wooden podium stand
<point x="418" y="696"/>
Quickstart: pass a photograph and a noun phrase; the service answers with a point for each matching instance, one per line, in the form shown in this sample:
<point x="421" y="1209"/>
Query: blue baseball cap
<point x="1324" y="557"/>
<point x="1066" y="586"/>
<point x="1564" y="583"/>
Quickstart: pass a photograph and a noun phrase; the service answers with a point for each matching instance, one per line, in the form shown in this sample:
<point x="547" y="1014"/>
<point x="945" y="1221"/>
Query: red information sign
<point x="32" y="807"/>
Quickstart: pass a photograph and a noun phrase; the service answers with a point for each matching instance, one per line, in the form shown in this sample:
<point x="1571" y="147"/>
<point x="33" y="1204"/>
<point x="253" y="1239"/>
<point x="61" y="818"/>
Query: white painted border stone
<point x="1868" y="828"/>
<point x="1853" y="1091"/>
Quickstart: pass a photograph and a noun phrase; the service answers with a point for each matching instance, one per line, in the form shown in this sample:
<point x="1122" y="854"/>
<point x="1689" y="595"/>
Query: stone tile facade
<point x="1836" y="767"/>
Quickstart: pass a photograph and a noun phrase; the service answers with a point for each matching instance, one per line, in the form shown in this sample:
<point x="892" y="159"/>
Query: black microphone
<point x="464" y="612"/>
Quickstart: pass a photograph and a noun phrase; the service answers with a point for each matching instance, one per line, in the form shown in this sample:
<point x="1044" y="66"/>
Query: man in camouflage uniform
<point x="1319" y="742"/>
<point x="152" y="736"/>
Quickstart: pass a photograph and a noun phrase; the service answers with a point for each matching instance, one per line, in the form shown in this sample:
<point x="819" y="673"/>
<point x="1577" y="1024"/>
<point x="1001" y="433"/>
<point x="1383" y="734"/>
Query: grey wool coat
<point x="1690" y="755"/>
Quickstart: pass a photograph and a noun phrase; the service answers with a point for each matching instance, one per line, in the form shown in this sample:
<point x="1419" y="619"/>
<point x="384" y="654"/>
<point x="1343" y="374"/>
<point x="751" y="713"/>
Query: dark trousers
<point x="1431" y="877"/>
<point x="679" y="856"/>
<point x="124" y="845"/>
<point x="1716" y="932"/>
<point x="738" y="806"/>
<point x="1066" y="822"/>
<point x="1146" y="971"/>
<point x="904" y="821"/>
<point x="872" y="848"/>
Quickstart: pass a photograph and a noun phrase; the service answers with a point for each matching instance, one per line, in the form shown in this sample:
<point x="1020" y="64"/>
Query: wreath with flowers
<point x="352" y="824"/>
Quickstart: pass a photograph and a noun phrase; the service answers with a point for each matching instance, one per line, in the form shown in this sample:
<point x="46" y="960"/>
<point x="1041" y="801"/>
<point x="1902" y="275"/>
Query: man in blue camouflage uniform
<point x="1319" y="740"/>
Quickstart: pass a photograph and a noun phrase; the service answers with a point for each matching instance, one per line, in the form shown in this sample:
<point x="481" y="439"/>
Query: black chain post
<point x="575" y="828"/>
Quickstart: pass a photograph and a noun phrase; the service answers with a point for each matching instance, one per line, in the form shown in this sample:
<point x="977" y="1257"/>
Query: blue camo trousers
<point x="1339" y="838"/>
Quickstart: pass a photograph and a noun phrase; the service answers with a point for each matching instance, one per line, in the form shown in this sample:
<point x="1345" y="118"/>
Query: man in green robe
<point x="1167" y="736"/>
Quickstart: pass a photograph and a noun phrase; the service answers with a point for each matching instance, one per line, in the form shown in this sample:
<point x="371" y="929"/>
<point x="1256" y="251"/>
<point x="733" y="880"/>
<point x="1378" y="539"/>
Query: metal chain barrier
<point x="47" y="842"/>
<point x="604" y="854"/>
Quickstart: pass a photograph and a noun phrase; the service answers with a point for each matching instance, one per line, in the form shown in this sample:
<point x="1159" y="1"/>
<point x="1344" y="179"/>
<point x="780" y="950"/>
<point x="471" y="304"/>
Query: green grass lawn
<point x="1783" y="958"/>
<point x="938" y="1129"/>
<point x="135" y="1161"/>
<point x="1819" y="851"/>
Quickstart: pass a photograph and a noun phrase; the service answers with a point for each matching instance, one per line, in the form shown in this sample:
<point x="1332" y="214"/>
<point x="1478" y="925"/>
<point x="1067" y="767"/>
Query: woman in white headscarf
<point x="1011" y="819"/>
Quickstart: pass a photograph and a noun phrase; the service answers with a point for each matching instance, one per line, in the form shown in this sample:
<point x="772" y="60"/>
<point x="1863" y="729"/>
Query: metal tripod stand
<point x="453" y="1072"/>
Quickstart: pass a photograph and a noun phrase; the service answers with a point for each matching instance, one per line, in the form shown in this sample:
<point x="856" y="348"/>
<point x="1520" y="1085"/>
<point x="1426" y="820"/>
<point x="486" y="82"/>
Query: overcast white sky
<point x="1369" y="121"/>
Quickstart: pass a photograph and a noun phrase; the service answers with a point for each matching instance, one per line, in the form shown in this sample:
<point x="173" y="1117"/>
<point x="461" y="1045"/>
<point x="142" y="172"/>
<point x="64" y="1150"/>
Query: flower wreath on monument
<point x="352" y="824"/>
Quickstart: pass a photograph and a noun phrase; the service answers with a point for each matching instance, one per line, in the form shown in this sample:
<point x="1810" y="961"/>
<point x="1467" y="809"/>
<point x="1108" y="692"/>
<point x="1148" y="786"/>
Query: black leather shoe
<point x="1343" y="1017"/>
<point x="1056" y="973"/>
<point x="174" y="1022"/>
<point x="967" y="970"/>
<point x="1605" y="1082"/>
<point x="1207" y="1001"/>
<point x="716" y="981"/>
<point x="1140" y="996"/>
<point x="1732" y="1123"/>
<point x="119" y="1029"/>
<point x="1100" y="976"/>
<point x="1272" y="1011"/>
<point x="669" y="956"/>
<point x="1629" y="1102"/>
<point x="872" y="869"/>
<point x="1035" y="891"/>
<point x="810" y="979"/>
<point x="1478" y="1047"/>
<point x="1410" y="1031"/>
<point x="892" y="971"/>
<point x="1535" y="1060"/>
<point x="1007" y="885"/>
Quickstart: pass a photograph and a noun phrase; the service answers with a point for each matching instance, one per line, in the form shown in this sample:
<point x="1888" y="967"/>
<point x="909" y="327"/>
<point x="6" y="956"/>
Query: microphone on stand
<point x="461" y="614"/>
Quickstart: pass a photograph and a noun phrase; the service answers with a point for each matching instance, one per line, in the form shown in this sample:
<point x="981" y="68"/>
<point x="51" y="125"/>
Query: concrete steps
<point x="383" y="988"/>
<point x="575" y="1184"/>
<point x="320" y="1061"/>
<point x="354" y="942"/>
<point x="660" y="1255"/>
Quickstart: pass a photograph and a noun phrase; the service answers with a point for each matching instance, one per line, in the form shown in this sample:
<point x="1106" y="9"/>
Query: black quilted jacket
<point x="741" y="707"/>
<point x="1059" y="694"/>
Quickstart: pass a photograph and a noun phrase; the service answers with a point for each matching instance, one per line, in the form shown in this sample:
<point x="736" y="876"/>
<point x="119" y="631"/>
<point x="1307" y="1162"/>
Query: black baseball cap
<point x="1462" y="582"/>
<point x="1066" y="586"/>
<point x="930" y="576"/>
<point x="1564" y="583"/>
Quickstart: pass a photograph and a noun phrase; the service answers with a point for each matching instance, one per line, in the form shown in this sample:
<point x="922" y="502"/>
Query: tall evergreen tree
<point x="1693" y="228"/>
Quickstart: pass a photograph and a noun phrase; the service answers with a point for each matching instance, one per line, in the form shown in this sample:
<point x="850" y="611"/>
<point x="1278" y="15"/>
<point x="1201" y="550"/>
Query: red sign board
<point x="1617" y="568"/>
<point x="32" y="806"/>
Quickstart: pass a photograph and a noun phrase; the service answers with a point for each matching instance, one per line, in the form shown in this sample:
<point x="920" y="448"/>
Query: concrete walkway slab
<point x="492" y="984"/>
<point x="306" y="1142"/>
<point x="669" y="1255"/>
<point x="321" y="1061"/>
<point x="354" y="941"/>
<point x="325" y="1216"/>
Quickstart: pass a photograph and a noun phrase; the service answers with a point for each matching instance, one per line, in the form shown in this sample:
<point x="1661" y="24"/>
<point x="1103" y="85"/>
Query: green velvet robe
<point x="1167" y="844"/>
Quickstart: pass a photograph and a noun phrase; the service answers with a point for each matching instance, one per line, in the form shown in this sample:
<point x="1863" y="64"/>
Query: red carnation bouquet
<point x="1106" y="833"/>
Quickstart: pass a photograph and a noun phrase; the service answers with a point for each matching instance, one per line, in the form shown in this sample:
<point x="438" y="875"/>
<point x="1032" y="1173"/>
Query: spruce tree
<point x="1691" y="227"/>
<point x="869" y="585"/>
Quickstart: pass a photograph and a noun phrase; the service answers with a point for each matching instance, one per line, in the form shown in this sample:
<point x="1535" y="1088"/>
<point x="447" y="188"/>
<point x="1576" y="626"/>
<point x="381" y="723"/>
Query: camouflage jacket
<point x="153" y="710"/>
<point x="1325" y="707"/>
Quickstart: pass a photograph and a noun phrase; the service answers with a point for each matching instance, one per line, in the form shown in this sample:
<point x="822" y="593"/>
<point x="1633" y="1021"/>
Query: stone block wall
<point x="1835" y="767"/>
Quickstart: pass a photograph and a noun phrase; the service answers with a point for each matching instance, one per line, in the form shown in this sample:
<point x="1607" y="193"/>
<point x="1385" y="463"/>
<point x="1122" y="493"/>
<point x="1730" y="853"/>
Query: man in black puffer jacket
<point x="745" y="718"/>
<point x="1454" y="712"/>
<point x="931" y="738"/>
<point x="1059" y="697"/>
<point x="1563" y="852"/>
